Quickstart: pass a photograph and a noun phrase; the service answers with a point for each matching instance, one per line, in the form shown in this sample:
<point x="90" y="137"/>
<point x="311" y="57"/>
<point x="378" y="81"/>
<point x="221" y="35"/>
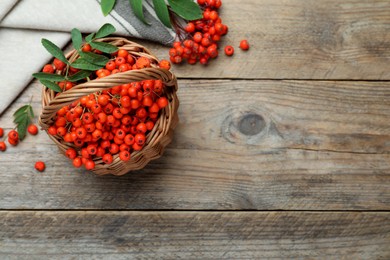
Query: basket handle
<point x="51" y="104"/>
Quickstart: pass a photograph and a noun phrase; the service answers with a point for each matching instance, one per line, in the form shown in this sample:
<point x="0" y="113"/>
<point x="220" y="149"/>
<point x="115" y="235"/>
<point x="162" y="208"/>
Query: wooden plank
<point x="240" y="145"/>
<point x="194" y="235"/>
<point x="294" y="39"/>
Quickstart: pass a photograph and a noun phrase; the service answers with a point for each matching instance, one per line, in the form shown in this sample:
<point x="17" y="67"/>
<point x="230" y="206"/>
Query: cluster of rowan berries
<point x="111" y="122"/>
<point x="204" y="34"/>
<point x="201" y="44"/>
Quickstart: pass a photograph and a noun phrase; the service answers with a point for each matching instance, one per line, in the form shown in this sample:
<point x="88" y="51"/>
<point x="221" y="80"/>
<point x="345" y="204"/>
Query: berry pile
<point x="113" y="122"/>
<point x="204" y="34"/>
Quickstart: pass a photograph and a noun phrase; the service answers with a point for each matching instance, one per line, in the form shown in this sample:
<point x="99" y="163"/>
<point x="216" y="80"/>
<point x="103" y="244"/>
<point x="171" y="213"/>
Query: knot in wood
<point x="251" y="124"/>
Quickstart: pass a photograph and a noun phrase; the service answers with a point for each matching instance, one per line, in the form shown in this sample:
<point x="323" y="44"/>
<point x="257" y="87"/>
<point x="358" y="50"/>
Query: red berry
<point x="229" y="50"/>
<point x="244" y="45"/>
<point x="13" y="142"/>
<point x="122" y="53"/>
<point x="48" y="68"/>
<point x="86" y="48"/>
<point x="77" y="162"/>
<point x="40" y="166"/>
<point x="3" y="146"/>
<point x="124" y="156"/>
<point x="89" y="165"/>
<point x="1" y="132"/>
<point x="140" y="139"/>
<point x="13" y="135"/>
<point x="32" y="129"/>
<point x="71" y="153"/>
<point x="60" y="65"/>
<point x="107" y="158"/>
<point x="162" y="102"/>
<point x="190" y="27"/>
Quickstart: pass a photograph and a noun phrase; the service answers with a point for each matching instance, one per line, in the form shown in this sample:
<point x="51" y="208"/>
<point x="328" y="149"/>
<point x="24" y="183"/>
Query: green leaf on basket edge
<point x="105" y="30"/>
<point x="83" y="64"/>
<point x="162" y="12"/>
<point x="107" y="6"/>
<point x="77" y="38"/>
<point x="90" y="37"/>
<point x="94" y="58"/>
<point x="186" y="9"/>
<point x="104" y="47"/>
<point x="82" y="74"/>
<point x="48" y="76"/>
<point x="54" y="50"/>
<point x="51" y="85"/>
<point x="136" y="5"/>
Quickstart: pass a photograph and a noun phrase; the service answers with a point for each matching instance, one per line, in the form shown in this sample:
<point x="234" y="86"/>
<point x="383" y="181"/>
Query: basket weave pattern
<point x="159" y="137"/>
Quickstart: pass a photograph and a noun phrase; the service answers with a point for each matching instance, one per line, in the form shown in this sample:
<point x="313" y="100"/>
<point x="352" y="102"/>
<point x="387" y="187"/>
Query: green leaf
<point x="104" y="47"/>
<point x="54" y="50"/>
<point x="105" y="30"/>
<point x="94" y="58"/>
<point x="20" y="111"/>
<point x="106" y="6"/>
<point x="48" y="76"/>
<point x="90" y="37"/>
<point x="162" y="12"/>
<point x="82" y="74"/>
<point x="83" y="64"/>
<point x="77" y="38"/>
<point x="187" y="9"/>
<point x="136" y="5"/>
<point x="22" y="128"/>
<point x="20" y="118"/>
<point x="51" y="85"/>
<point x="30" y="111"/>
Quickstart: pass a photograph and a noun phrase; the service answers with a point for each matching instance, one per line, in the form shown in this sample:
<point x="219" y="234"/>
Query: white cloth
<point x="24" y="23"/>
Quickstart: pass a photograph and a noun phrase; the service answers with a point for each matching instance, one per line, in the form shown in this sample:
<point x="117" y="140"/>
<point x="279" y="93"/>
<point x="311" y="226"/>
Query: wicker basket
<point x="159" y="137"/>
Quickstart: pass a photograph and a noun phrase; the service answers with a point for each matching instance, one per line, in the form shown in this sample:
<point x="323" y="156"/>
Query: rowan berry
<point x="197" y="37"/>
<point x="124" y="156"/>
<point x="172" y="52"/>
<point x="77" y="162"/>
<point x="61" y="121"/>
<point x="61" y="131"/>
<point x="86" y="48"/>
<point x="3" y="146"/>
<point x="142" y="62"/>
<point x="1" y="132"/>
<point x="48" y="68"/>
<point x="89" y="165"/>
<point x="176" y="44"/>
<point x="68" y="138"/>
<point x="52" y="130"/>
<point x="137" y="147"/>
<point x="91" y="149"/>
<point x="130" y="59"/>
<point x="90" y="127"/>
<point x="119" y="61"/>
<point x="213" y="15"/>
<point x="164" y="64"/>
<point x="13" y="135"/>
<point x="129" y="139"/>
<point x="97" y="134"/>
<point x="229" y="50"/>
<point x="114" y="148"/>
<point x="244" y="45"/>
<point x="124" y="67"/>
<point x="107" y="158"/>
<point x="122" y="53"/>
<point x="201" y="2"/>
<point x="13" y="142"/>
<point x="110" y="65"/>
<point x="78" y="142"/>
<point x="162" y="102"/>
<point x="59" y="65"/>
<point x="71" y="153"/>
<point x="40" y="166"/>
<point x="139" y="139"/>
<point x="81" y="132"/>
<point x="190" y="27"/>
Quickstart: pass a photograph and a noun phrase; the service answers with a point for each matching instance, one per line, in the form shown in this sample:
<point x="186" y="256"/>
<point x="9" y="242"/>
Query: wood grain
<point x="294" y="39"/>
<point x="292" y="145"/>
<point x="194" y="235"/>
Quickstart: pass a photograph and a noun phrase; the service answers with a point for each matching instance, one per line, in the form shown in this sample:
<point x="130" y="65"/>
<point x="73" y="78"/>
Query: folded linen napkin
<point x="24" y="23"/>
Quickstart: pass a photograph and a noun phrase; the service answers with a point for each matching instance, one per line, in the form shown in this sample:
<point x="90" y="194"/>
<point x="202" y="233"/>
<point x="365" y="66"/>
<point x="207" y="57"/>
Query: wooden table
<point x="282" y="151"/>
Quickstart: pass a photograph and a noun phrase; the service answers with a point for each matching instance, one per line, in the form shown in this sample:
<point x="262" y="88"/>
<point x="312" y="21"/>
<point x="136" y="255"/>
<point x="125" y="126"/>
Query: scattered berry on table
<point x="3" y="146"/>
<point x="40" y="166"/>
<point x="1" y="132"/>
<point x="32" y="129"/>
<point x="244" y="45"/>
<point x="229" y="50"/>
